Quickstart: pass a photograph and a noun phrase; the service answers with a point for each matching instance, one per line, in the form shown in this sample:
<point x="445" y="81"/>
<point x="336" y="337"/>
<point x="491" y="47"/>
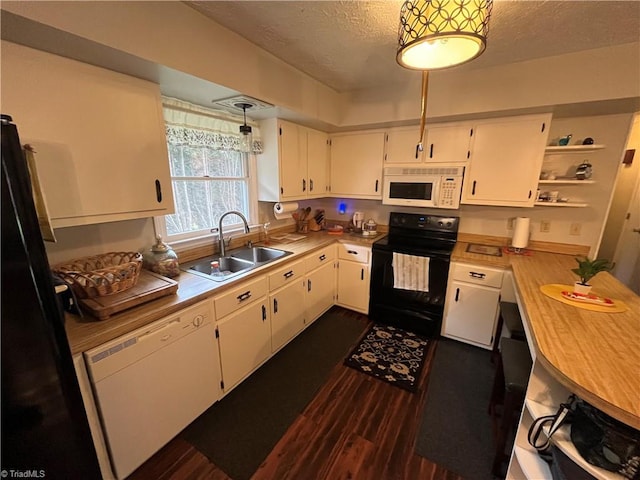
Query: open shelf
<point x="551" y="150"/>
<point x="565" y="181"/>
<point x="562" y="440"/>
<point x="531" y="464"/>
<point x="561" y="204"/>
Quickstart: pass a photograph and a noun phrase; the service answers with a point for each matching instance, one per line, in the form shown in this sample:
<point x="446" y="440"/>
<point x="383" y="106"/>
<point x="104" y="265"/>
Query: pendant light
<point x="246" y="139"/>
<point x="436" y="34"/>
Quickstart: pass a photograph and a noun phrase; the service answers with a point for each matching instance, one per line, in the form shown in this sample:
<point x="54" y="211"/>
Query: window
<point x="209" y="174"/>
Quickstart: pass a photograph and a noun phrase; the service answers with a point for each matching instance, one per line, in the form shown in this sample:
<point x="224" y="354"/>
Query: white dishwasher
<point x="153" y="382"/>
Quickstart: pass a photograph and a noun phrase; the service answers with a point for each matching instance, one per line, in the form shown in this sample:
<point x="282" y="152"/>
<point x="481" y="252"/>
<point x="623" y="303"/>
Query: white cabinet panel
<point x="448" y="143"/>
<point x="287" y="313"/>
<point x="245" y="342"/>
<point x="505" y="161"/>
<point x="320" y="291"/>
<point x="294" y="164"/>
<point x="472" y="312"/>
<point x="356" y="165"/>
<point x="353" y="286"/>
<point x="99" y="136"/>
<point x="401" y="145"/>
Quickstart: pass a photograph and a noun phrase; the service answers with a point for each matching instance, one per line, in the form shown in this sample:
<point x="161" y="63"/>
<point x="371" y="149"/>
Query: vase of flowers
<point x="586" y="270"/>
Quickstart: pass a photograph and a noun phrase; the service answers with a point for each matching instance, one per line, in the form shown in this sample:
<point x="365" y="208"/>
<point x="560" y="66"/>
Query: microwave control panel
<point x="450" y="189"/>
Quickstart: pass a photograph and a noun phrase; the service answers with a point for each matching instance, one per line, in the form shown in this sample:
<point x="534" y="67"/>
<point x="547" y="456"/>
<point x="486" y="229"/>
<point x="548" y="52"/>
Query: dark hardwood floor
<point x="356" y="427"/>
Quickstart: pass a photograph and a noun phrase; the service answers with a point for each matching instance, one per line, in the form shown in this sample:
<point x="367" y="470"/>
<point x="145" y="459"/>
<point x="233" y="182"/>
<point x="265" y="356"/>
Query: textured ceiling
<point x="349" y="45"/>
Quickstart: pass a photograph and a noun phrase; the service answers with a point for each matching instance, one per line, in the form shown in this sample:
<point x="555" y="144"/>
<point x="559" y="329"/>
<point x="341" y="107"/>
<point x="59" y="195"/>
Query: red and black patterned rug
<point x="390" y="354"/>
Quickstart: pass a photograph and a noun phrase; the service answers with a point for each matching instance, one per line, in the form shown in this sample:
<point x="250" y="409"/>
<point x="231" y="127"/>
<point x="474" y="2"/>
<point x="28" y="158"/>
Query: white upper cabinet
<point x="505" y="161"/>
<point x="294" y="163"/>
<point x="99" y="137"/>
<point x="448" y="143"/>
<point x="401" y="145"/>
<point x="356" y="164"/>
<point x="317" y="163"/>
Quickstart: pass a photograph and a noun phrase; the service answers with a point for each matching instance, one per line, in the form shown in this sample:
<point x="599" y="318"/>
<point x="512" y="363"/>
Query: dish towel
<point x="410" y="272"/>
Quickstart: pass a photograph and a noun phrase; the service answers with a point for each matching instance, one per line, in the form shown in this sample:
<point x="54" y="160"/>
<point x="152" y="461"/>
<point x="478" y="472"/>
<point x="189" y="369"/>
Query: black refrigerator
<point x="45" y="430"/>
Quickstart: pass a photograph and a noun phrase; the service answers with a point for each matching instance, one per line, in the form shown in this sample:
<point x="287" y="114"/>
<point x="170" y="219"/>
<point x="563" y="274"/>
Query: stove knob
<point x="440" y="224"/>
<point x="448" y="224"/>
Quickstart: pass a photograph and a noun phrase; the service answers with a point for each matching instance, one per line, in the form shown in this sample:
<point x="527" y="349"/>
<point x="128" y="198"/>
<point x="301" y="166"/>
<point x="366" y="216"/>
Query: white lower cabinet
<point x="244" y="332"/>
<point x="320" y="286"/>
<point x="353" y="277"/>
<point x="471" y="311"/>
<point x="286" y="287"/>
<point x="287" y="313"/>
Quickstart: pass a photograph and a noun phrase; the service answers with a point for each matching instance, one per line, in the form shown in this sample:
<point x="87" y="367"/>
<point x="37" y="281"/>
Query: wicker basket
<point x="101" y="275"/>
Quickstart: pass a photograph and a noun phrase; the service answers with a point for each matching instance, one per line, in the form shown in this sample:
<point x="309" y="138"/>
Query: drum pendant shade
<point x="437" y="34"/>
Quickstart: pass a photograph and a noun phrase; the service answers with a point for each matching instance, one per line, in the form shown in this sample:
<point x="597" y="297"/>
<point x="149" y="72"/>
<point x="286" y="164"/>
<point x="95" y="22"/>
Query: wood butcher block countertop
<point x="595" y="355"/>
<point x="88" y="332"/>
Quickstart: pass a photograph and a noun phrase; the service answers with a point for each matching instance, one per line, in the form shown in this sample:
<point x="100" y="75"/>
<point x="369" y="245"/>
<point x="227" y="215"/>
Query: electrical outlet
<point x="510" y="223"/>
<point x="545" y="226"/>
<point x="575" y="229"/>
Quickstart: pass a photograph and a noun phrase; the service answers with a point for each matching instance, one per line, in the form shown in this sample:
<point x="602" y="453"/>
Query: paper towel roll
<point x="284" y="210"/>
<point x="521" y="233"/>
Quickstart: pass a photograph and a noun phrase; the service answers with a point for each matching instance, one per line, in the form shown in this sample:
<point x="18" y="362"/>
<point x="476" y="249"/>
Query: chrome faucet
<point x="221" y="239"/>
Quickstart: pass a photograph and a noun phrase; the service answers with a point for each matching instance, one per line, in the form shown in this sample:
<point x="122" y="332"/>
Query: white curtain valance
<point x="189" y="124"/>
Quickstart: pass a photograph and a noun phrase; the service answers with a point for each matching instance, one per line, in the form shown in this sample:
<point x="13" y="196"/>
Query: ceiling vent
<point x="232" y="103"/>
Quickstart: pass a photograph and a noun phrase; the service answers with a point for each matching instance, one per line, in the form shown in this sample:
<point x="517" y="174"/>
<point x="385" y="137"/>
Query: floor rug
<point x="238" y="432"/>
<point x="455" y="431"/>
<point x="390" y="354"/>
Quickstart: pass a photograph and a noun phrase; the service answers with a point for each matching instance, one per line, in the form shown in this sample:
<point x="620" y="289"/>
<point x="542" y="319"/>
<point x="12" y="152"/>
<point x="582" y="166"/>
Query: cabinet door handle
<point x="311" y="185"/>
<point x="457" y="294"/>
<point x="362" y="274"/>
<point x="304" y="185"/>
<point x="308" y="285"/>
<point x="243" y="296"/>
<point x="158" y="191"/>
<point x="275" y="305"/>
<point x="473" y="189"/>
<point x="289" y="274"/>
<point x="477" y="275"/>
<point x="377" y="185"/>
<point x="264" y="313"/>
<point x="352" y="252"/>
<point x="430" y="151"/>
<point x="529" y="193"/>
<point x="322" y="257"/>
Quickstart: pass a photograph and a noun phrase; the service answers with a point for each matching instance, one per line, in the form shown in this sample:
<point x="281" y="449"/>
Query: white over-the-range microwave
<point x="417" y="186"/>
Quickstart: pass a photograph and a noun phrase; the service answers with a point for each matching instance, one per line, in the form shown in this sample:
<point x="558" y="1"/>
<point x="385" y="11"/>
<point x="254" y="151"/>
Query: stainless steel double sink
<point x="236" y="262"/>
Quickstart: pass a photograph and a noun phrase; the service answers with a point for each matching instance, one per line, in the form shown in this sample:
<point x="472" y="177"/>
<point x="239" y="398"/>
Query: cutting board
<point x="150" y="286"/>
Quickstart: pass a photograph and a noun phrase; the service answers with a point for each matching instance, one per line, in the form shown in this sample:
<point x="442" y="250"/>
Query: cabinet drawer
<point x="286" y="274"/>
<point x="320" y="257"/>
<point x="355" y="253"/>
<point x="241" y="295"/>
<point x="478" y="275"/>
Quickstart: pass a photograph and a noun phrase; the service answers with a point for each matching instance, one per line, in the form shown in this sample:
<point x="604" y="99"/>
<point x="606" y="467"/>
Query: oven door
<point x="419" y="312"/>
<point x="411" y="190"/>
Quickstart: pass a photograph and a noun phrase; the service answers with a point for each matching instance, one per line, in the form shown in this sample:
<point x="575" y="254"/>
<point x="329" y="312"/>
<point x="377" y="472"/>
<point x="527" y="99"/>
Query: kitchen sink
<point x="259" y="254"/>
<point x="236" y="262"/>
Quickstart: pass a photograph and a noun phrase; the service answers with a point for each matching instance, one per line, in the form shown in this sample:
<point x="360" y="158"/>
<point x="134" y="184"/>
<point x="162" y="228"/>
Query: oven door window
<point x="411" y="190"/>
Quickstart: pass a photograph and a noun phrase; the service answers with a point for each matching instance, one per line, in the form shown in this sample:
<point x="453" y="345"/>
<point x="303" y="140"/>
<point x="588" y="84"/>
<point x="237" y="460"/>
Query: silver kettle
<point x="584" y="171"/>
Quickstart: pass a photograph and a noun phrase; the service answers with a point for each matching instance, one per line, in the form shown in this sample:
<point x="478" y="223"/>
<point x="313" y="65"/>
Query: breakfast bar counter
<point x="596" y="355"/>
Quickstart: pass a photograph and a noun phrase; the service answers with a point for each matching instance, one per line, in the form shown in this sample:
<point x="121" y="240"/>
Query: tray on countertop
<point x="150" y="286"/>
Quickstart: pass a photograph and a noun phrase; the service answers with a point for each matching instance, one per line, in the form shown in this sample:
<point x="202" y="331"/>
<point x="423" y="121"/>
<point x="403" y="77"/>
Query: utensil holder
<point x="302" y="226"/>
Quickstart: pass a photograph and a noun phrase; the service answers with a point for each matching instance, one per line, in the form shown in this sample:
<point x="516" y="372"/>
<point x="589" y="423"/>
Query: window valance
<point x="189" y="124"/>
